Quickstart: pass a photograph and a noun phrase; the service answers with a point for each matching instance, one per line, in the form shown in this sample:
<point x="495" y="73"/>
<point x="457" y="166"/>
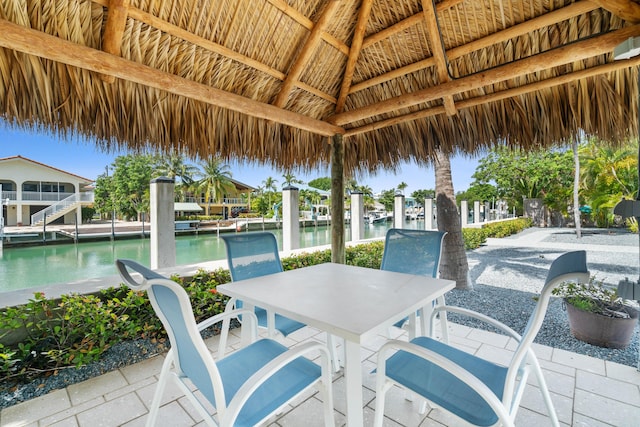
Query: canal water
<point x="32" y="266"/>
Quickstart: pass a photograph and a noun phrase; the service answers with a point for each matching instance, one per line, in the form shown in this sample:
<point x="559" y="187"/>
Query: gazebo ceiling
<point x="270" y="80"/>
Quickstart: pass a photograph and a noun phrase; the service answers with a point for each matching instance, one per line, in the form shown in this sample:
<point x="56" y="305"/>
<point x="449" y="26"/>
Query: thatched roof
<point x="270" y="80"/>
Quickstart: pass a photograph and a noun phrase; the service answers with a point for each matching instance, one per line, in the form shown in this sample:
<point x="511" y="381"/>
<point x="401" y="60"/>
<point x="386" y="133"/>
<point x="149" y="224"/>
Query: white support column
<point x="476" y="212"/>
<point x="79" y="214"/>
<point x="487" y="212"/>
<point x="290" y="219"/>
<point x="464" y="213"/>
<point x="428" y="214"/>
<point x="163" y="234"/>
<point x="398" y="211"/>
<point x="19" y="203"/>
<point x="357" y="216"/>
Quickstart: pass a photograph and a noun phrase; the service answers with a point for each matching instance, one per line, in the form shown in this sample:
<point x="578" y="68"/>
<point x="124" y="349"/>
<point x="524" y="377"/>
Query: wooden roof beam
<point x="406" y="23"/>
<point x="114" y="30"/>
<point x="308" y="24"/>
<point x="577" y="51"/>
<point x="305" y="55"/>
<point x="623" y="9"/>
<point x="498" y="96"/>
<point x="437" y="52"/>
<point x="33" y="42"/>
<point x="573" y="10"/>
<point x="354" y="53"/>
<point x="166" y="27"/>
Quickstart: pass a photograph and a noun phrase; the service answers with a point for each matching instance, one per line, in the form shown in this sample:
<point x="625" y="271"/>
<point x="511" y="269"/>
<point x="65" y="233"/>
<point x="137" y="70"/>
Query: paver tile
<point x="606" y="410"/>
<point x="608" y="387"/>
<point x="98" y="386"/>
<point x="579" y="361"/>
<point x="32" y="410"/>
<point x="113" y="413"/>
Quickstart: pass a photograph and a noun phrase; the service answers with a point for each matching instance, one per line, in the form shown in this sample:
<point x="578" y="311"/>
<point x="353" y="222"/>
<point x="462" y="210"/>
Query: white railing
<point x="226" y="200"/>
<point x="45" y="196"/>
<point x="11" y="195"/>
<point x="61" y="205"/>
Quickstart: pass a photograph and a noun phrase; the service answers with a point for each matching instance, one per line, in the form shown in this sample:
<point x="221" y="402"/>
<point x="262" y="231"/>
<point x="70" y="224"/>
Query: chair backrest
<point x="413" y="251"/>
<point x="568" y="266"/>
<point x="171" y="304"/>
<point x="252" y="255"/>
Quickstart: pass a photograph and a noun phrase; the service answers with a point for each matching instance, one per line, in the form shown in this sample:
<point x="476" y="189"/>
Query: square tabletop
<point x="347" y="301"/>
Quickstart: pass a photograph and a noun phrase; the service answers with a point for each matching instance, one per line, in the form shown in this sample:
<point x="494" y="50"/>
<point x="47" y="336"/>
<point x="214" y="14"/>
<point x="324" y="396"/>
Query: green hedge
<point x="475" y="237"/>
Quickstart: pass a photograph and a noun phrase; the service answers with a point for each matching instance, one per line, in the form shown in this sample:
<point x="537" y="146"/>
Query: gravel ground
<point x="507" y="274"/>
<point x="507" y="278"/>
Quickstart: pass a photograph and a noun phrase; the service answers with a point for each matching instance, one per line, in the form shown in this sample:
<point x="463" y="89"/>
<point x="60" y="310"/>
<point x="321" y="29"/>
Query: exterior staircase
<point x="60" y="208"/>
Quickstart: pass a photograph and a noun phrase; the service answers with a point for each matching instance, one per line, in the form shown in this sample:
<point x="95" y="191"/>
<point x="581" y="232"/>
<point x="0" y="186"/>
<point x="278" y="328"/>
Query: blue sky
<point x="81" y="157"/>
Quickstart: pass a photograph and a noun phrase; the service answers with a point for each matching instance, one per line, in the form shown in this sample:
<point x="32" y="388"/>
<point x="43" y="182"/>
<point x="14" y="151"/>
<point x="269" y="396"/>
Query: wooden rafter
<point x="32" y="42"/>
<point x="354" y="53"/>
<point x="166" y="27"/>
<point x="308" y="24"/>
<point x="114" y="29"/>
<point x="573" y="10"/>
<point x="498" y="96"/>
<point x="624" y="9"/>
<point x="578" y="51"/>
<point x="305" y="55"/>
<point x="406" y="23"/>
<point x="437" y="50"/>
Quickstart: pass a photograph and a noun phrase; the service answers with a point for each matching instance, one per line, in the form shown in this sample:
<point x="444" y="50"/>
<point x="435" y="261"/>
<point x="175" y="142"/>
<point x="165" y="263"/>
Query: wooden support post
<point x="337" y="200"/>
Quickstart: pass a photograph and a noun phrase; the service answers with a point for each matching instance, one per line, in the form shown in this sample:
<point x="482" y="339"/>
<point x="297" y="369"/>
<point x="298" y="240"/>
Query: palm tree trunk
<point x="576" y="186"/>
<point x="453" y="264"/>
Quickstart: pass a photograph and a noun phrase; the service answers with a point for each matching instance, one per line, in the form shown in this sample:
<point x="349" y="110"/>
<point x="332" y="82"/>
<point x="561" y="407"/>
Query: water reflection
<point x="29" y="267"/>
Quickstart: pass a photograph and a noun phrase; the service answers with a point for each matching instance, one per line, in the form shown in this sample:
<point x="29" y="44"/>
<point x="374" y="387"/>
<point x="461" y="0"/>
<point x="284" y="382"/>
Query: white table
<point x="353" y="303"/>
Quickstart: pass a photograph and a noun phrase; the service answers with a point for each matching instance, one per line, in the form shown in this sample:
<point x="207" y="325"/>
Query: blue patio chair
<point x="414" y="252"/>
<point x="479" y="391"/>
<point x="253" y="255"/>
<point x="246" y="387"/>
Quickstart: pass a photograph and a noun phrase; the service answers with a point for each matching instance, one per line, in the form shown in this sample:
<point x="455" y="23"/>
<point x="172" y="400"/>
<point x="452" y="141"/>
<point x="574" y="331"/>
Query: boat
<point x="376" y="217"/>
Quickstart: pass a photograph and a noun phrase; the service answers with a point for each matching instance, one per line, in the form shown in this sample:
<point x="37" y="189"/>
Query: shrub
<point x="473" y="237"/>
<point x="507" y="228"/>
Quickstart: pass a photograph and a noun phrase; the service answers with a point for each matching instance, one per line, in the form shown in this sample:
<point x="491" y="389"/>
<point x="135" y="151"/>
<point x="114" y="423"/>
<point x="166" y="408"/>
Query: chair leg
<point x="382" y="386"/>
<point x="326" y="392"/>
<point x="336" y="358"/>
<point x="157" y="395"/>
<point x="224" y="332"/>
<point x="443" y="321"/>
<point x="545" y="391"/>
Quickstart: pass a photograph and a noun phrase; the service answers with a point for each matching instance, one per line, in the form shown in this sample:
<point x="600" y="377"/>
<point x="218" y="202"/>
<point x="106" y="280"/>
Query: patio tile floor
<point x="586" y="392"/>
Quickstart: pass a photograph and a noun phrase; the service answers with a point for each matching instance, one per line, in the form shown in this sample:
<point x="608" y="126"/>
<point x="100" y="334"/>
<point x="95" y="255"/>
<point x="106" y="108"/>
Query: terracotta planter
<point x="599" y="330"/>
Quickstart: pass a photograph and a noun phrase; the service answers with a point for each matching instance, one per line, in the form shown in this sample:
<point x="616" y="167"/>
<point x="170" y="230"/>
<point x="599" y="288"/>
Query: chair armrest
<point x="453" y="368"/>
<point x="264" y="373"/>
<point x="228" y="315"/>
<point x="474" y="314"/>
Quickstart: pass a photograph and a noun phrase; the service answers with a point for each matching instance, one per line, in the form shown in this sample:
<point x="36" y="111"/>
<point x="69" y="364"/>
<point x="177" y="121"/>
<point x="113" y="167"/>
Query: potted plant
<point x="597" y="314"/>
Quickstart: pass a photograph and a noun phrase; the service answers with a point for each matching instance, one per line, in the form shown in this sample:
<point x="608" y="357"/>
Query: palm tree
<point x="367" y="193"/>
<point x="215" y="181"/>
<point x="174" y="166"/>
<point x="350" y="186"/>
<point x="290" y="179"/>
<point x="402" y="186"/>
<point x="453" y="265"/>
<point x="270" y="187"/>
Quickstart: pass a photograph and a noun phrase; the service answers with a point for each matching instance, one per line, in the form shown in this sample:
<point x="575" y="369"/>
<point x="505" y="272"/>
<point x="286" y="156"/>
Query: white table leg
<point x="353" y="383"/>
